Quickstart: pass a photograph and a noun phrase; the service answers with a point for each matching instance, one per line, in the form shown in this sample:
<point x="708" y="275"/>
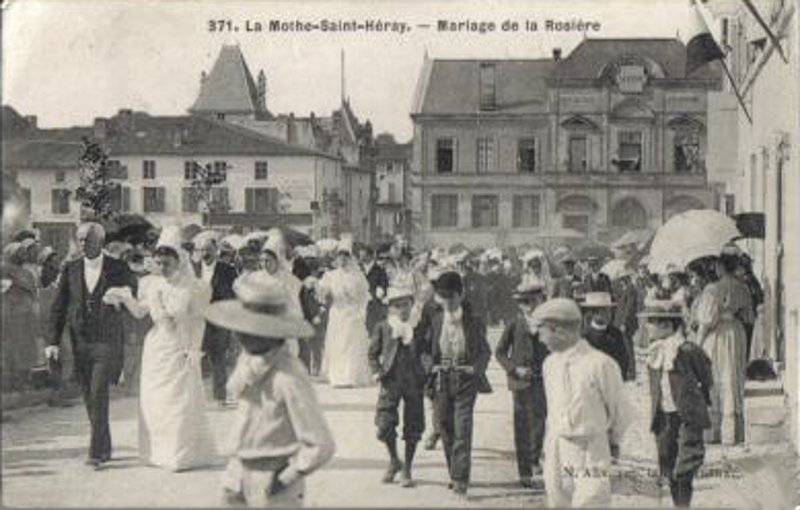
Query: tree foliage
<point x="97" y="188"/>
<point x="204" y="179"/>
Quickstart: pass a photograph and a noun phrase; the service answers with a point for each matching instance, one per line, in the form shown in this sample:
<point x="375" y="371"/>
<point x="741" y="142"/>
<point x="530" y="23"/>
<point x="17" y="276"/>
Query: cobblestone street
<point x="44" y="450"/>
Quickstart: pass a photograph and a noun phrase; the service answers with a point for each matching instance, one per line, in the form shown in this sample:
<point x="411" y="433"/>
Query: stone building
<point x="392" y="167"/>
<point x="609" y="138"/>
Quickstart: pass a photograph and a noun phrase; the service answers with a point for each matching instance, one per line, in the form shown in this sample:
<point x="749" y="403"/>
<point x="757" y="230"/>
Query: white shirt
<point x="91" y="271"/>
<point x="585" y="386"/>
<point x="207" y="271"/>
<point x="452" y="343"/>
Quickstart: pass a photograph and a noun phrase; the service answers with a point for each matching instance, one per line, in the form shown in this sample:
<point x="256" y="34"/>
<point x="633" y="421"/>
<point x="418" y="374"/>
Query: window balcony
<point x="579" y="179"/>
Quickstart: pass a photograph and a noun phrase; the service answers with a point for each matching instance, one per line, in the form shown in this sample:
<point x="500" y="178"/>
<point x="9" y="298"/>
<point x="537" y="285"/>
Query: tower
<point x="261" y="105"/>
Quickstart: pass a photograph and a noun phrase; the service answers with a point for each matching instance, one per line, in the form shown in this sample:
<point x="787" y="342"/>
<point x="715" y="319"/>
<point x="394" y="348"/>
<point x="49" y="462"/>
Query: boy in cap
<point x="394" y="360"/>
<point x="601" y="333"/>
<point x="521" y="354"/>
<point x="589" y="410"/>
<point x="456" y="342"/>
<point x="680" y="379"/>
<point x="280" y="435"/>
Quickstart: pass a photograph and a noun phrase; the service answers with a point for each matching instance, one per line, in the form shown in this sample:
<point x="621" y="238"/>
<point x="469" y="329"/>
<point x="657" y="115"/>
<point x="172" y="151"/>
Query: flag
<point x="701" y="46"/>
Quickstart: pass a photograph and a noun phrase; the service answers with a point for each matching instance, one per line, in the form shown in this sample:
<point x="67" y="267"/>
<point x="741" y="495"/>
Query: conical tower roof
<point x="229" y="87"/>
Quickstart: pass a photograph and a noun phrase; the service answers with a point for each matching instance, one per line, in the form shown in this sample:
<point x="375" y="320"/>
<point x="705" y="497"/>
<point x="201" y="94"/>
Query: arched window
<point x="629" y="213"/>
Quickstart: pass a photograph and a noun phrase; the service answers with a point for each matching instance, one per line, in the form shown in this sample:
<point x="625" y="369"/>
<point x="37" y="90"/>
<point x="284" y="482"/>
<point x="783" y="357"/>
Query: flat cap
<point x="559" y="310"/>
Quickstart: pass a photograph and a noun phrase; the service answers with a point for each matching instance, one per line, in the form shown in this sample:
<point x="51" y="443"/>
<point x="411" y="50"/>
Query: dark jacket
<point x="221" y="289"/>
<point x="518" y="347"/>
<point x="611" y="342"/>
<point x="690" y="381"/>
<point x="627" y="299"/>
<point x="597" y="283"/>
<point x="377" y="277"/>
<point x="383" y="348"/>
<point x="88" y="319"/>
<point x="429" y="330"/>
<point x="476" y="292"/>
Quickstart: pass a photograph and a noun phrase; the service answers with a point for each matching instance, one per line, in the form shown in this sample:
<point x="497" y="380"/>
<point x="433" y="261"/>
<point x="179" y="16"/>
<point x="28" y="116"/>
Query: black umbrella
<point x="294" y="238"/>
<point x="132" y="228"/>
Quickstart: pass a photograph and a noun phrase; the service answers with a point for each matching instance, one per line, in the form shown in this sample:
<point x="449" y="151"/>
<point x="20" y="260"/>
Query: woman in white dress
<point x="345" y="361"/>
<point x="174" y="432"/>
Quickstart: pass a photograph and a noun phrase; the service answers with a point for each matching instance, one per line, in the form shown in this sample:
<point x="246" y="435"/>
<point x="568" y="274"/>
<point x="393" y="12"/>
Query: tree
<point x="97" y="189"/>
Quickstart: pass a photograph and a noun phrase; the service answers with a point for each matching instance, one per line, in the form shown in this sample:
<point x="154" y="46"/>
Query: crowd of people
<point x="263" y="318"/>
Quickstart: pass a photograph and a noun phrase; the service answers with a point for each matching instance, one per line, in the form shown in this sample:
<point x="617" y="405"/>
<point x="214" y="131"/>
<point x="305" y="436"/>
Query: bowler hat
<point x="261" y="309"/>
<point x="448" y="283"/>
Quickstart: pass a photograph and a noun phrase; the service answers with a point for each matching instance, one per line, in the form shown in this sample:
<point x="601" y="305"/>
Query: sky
<point x="69" y="61"/>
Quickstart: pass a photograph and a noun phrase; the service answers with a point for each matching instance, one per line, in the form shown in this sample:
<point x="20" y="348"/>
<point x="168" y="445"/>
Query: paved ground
<point x="44" y="449"/>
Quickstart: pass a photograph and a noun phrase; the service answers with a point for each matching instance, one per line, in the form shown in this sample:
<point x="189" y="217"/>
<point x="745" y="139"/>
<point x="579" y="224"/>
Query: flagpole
<point x="772" y="37"/>
<point x="736" y="89"/>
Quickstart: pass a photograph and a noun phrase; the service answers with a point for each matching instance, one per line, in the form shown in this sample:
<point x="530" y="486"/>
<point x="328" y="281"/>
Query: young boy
<point x="680" y="379"/>
<point x="394" y="360"/>
<point x="521" y="354"/>
<point x="279" y="436"/>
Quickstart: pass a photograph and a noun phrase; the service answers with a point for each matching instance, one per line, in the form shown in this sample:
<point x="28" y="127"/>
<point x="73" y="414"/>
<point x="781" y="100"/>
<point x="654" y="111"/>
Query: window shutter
<point x="54" y="201"/>
<point x="162" y="199"/>
<point x="455" y="155"/>
<point x="126" y="199"/>
<point x="249" y="198"/>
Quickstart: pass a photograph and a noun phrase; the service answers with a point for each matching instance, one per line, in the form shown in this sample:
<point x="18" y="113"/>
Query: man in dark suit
<point x="680" y="380"/>
<point x="455" y="342"/>
<point x="95" y="327"/>
<point x="378" y="283"/>
<point x="476" y="291"/>
<point x="596" y="281"/>
<point x="220" y="276"/>
<point x="521" y="355"/>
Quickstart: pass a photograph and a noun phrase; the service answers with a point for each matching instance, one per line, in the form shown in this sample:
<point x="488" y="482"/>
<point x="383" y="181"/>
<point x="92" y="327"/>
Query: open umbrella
<point x="616" y="268"/>
<point x="132" y="228"/>
<point x="191" y="230"/>
<point x="688" y="236"/>
<point x="593" y="250"/>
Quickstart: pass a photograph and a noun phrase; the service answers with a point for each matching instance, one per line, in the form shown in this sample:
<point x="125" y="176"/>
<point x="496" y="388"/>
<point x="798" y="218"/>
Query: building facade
<point x="392" y="168"/>
<point x="769" y="167"/>
<point x="610" y="138"/>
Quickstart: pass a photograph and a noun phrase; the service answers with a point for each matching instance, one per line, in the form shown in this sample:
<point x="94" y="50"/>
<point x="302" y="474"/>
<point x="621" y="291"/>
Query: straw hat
<point x="559" y="310"/>
<point x="397" y="292"/>
<point x="345" y="245"/>
<point x="597" y="300"/>
<point x="529" y="287"/>
<point x="206" y="236"/>
<point x="531" y="255"/>
<point x="261" y="309"/>
<point x="661" y="308"/>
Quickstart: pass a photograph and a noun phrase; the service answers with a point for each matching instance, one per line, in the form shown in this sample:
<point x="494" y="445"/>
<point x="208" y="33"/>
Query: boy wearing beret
<point x="394" y="360"/>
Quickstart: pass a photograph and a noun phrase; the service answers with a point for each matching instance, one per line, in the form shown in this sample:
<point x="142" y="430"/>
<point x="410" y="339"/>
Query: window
<point x="487" y="87"/>
<point x="60" y="176"/>
<point x="60" y="201"/>
<point x="577" y="154"/>
<point x="526" y="211"/>
<point x="484" y="161"/>
<point x="261" y="200"/>
<point x="392" y="192"/>
<point x="445" y="155"/>
<point x="725" y="32"/>
<point x="116" y="170"/>
<point x="219" y="199"/>
<point x="190" y="170"/>
<point x="25" y="193"/>
<point x="730" y="204"/>
<point x="526" y="155"/>
<point x="686" y="152"/>
<point x="148" y="169"/>
<point x="484" y="211"/>
<point x="261" y="170"/>
<point x="220" y="116"/>
<point x="121" y="199"/>
<point x="154" y="199"/>
<point x="189" y="202"/>
<point x="630" y="151"/>
<point x="579" y="222"/>
<point x="389" y="167"/>
<point x="221" y="169"/>
<point x="444" y="211"/>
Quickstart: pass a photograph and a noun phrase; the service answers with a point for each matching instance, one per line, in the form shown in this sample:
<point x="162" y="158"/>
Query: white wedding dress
<point x="345" y="361"/>
<point x="174" y="432"/>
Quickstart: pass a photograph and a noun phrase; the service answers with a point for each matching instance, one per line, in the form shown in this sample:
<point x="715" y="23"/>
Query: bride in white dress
<point x="174" y="432"/>
<point x="345" y="361"/>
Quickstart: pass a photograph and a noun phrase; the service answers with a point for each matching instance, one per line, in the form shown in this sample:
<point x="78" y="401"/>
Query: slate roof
<point x="40" y="154"/>
<point x="229" y="87"/>
<point x="392" y="152"/>
<point x="591" y="56"/>
<point x="451" y="86"/>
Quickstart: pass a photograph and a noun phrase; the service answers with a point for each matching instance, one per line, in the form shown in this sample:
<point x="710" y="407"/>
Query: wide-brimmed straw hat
<point x="398" y="292"/>
<point x="597" y="300"/>
<point x="530" y="287"/>
<point x="261" y="309"/>
<point x="661" y="309"/>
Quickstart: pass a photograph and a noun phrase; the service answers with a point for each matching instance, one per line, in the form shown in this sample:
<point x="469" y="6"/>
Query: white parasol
<point x="688" y="236"/>
<point x="616" y="268"/>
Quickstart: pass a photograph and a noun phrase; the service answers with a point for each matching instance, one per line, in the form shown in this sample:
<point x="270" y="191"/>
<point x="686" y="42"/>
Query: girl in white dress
<point x="173" y="429"/>
<point x="345" y="360"/>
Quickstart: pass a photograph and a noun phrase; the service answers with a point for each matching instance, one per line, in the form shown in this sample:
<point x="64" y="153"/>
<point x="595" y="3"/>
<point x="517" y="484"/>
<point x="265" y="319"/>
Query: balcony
<point x="565" y="179"/>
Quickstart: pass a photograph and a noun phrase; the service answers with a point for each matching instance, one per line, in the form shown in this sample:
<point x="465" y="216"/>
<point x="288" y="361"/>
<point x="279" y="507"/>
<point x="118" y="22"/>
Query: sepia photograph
<point x="400" y="254"/>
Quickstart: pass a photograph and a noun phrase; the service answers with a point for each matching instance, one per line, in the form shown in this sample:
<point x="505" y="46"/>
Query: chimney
<point x="32" y="122"/>
<point x="100" y="128"/>
<point x="125" y="116"/>
<point x="556" y="54"/>
<point x="291" y="130"/>
<point x="262" y="92"/>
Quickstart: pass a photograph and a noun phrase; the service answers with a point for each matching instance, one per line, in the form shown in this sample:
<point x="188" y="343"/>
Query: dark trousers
<point x="92" y="370"/>
<point x="217" y="355"/>
<point x="453" y="405"/>
<point x="680" y="455"/>
<point x="393" y="390"/>
<point x="530" y="411"/>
